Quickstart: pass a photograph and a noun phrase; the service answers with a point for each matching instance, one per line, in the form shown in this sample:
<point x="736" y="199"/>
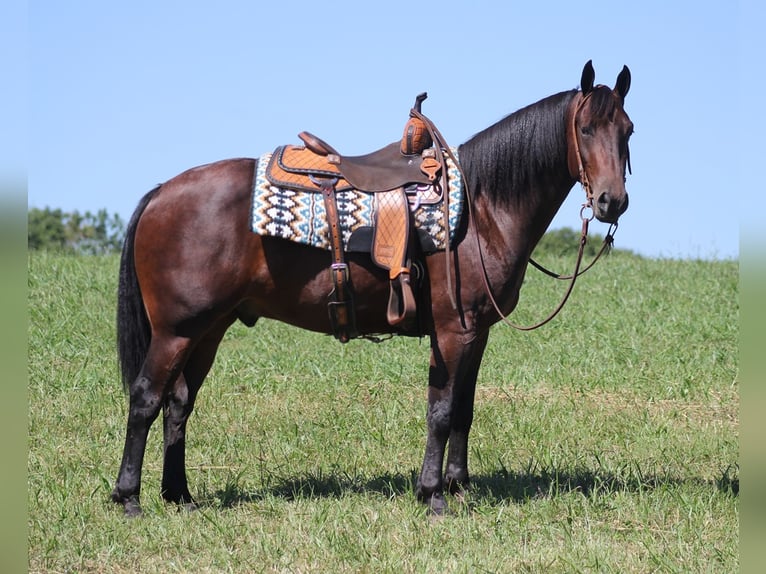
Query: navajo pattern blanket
<point x="300" y="216"/>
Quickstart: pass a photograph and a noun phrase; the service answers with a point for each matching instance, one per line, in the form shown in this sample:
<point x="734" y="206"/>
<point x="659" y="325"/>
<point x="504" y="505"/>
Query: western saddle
<point x="388" y="174"/>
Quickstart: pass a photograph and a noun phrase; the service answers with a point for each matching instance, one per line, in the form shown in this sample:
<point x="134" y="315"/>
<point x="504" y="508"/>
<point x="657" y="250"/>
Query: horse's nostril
<point x="610" y="208"/>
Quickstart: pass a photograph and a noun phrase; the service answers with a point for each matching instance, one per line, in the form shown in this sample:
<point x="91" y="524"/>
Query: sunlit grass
<point x="606" y="441"/>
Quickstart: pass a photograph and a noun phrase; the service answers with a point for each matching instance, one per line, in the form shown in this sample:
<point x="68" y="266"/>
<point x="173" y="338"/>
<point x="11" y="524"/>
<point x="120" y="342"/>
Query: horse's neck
<point x="507" y="236"/>
<point x="520" y="170"/>
<point x="519" y="173"/>
<point x="519" y="225"/>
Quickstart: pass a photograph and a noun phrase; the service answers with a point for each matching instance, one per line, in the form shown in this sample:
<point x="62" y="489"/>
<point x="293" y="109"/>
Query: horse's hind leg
<point x="161" y="367"/>
<point x="176" y="410"/>
<point x="178" y="406"/>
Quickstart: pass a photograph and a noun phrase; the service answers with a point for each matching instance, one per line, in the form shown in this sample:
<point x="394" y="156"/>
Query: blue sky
<point x="125" y="95"/>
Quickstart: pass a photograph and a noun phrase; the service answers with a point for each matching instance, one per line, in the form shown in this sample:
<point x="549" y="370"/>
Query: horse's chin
<point x="607" y="219"/>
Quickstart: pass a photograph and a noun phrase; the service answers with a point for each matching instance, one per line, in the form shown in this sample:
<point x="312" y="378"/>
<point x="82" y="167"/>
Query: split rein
<point x="605" y="247"/>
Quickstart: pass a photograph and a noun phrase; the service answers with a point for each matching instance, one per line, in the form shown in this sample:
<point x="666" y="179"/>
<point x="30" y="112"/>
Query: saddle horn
<point x="416" y="137"/>
<point x="419" y="99"/>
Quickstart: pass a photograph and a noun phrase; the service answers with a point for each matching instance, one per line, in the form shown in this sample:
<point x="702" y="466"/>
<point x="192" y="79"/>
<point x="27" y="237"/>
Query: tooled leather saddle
<point x="387" y="174"/>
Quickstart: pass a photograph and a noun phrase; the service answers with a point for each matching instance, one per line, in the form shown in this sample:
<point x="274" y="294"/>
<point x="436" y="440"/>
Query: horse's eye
<point x="587" y="130"/>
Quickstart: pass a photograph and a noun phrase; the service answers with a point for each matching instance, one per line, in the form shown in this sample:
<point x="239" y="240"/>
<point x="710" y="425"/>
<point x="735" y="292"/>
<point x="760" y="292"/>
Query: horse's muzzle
<point x="609" y="208"/>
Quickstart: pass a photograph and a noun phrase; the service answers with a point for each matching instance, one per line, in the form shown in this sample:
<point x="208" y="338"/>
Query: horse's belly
<point x="294" y="285"/>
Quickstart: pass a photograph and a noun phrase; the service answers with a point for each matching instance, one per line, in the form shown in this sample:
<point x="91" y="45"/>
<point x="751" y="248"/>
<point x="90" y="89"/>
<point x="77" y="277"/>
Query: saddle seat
<point x="381" y="170"/>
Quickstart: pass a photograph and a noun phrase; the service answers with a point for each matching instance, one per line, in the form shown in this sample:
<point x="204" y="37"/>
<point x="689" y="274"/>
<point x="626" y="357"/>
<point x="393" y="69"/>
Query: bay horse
<point x="191" y="267"/>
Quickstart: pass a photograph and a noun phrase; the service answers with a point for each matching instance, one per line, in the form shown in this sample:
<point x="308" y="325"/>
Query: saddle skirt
<point x="287" y="205"/>
<point x="290" y="167"/>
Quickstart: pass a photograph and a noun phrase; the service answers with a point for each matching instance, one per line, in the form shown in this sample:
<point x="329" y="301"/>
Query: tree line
<point x="100" y="233"/>
<point x="74" y="232"/>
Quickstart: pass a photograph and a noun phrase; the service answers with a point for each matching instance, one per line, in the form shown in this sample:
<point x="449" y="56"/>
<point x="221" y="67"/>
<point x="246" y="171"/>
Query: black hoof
<point x="457" y="487"/>
<point x="188" y="507"/>
<point x="132" y="508"/>
<point x="437" y="505"/>
<point x="130" y="504"/>
<point x="184" y="501"/>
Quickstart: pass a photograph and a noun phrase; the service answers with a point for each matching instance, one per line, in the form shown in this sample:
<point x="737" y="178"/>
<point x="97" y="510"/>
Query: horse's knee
<point x="439" y="418"/>
<point x="179" y="402"/>
<point x="160" y="378"/>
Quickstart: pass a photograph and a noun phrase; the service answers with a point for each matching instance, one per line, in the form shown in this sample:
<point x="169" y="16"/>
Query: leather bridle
<point x="582" y="176"/>
<point x="607" y="244"/>
<point x="580" y="173"/>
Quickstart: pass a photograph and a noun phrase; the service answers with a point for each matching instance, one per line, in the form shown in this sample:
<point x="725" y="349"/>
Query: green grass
<point x="607" y="441"/>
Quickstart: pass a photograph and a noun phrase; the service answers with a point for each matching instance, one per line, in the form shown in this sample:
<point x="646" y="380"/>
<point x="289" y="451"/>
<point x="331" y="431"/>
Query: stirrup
<point x="401" y="301"/>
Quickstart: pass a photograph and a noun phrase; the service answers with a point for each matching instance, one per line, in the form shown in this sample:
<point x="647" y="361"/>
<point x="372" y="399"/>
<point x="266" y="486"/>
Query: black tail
<point x="133" y="330"/>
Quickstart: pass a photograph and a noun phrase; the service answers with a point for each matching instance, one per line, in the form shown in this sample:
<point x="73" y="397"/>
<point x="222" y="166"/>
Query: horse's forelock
<point x="603" y="102"/>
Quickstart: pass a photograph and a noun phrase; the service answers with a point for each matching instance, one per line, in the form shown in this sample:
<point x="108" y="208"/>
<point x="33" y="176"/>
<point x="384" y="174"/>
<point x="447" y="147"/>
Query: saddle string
<point x="441" y="146"/>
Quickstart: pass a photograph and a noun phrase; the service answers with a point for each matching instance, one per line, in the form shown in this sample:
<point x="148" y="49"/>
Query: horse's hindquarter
<point x="188" y="240"/>
<point x="197" y="261"/>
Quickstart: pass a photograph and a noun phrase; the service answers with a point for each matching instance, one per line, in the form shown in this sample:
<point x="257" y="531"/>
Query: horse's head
<point x="598" y="143"/>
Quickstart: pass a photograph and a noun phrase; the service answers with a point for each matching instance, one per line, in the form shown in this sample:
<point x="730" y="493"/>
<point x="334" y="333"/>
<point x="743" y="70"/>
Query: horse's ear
<point x="623" y="83"/>
<point x="588" y="75"/>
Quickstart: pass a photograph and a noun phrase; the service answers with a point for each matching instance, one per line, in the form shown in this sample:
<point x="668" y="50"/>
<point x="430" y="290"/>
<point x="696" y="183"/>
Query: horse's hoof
<point x="457" y="487"/>
<point x="184" y="502"/>
<point x="130" y="504"/>
<point x="188" y="507"/>
<point x="437" y="505"/>
<point x="132" y="507"/>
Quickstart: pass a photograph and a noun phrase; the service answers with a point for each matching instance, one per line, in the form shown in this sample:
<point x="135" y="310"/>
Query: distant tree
<point x="88" y="233"/>
<point x="45" y="229"/>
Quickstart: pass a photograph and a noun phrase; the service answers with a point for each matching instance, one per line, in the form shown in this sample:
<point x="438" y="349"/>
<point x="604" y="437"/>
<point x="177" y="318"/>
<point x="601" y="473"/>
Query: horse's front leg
<point x="456" y="476"/>
<point x="454" y="364"/>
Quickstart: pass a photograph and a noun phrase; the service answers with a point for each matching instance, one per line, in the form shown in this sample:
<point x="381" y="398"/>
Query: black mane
<point x="503" y="159"/>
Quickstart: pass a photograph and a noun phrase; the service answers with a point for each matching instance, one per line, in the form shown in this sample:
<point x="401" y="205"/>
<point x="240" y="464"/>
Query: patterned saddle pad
<point x="300" y="215"/>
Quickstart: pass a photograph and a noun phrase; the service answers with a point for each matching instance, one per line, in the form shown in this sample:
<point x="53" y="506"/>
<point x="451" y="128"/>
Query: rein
<point x="605" y="247"/>
<point x="571" y="278"/>
<point x="608" y="240"/>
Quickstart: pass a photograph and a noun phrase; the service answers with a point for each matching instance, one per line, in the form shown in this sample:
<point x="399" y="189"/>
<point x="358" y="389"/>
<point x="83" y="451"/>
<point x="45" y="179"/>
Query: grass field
<point x="605" y="442"/>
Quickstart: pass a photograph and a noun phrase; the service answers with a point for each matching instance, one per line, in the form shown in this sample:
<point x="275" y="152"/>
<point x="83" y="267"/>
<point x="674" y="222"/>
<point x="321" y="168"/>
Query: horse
<point x="191" y="266"/>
